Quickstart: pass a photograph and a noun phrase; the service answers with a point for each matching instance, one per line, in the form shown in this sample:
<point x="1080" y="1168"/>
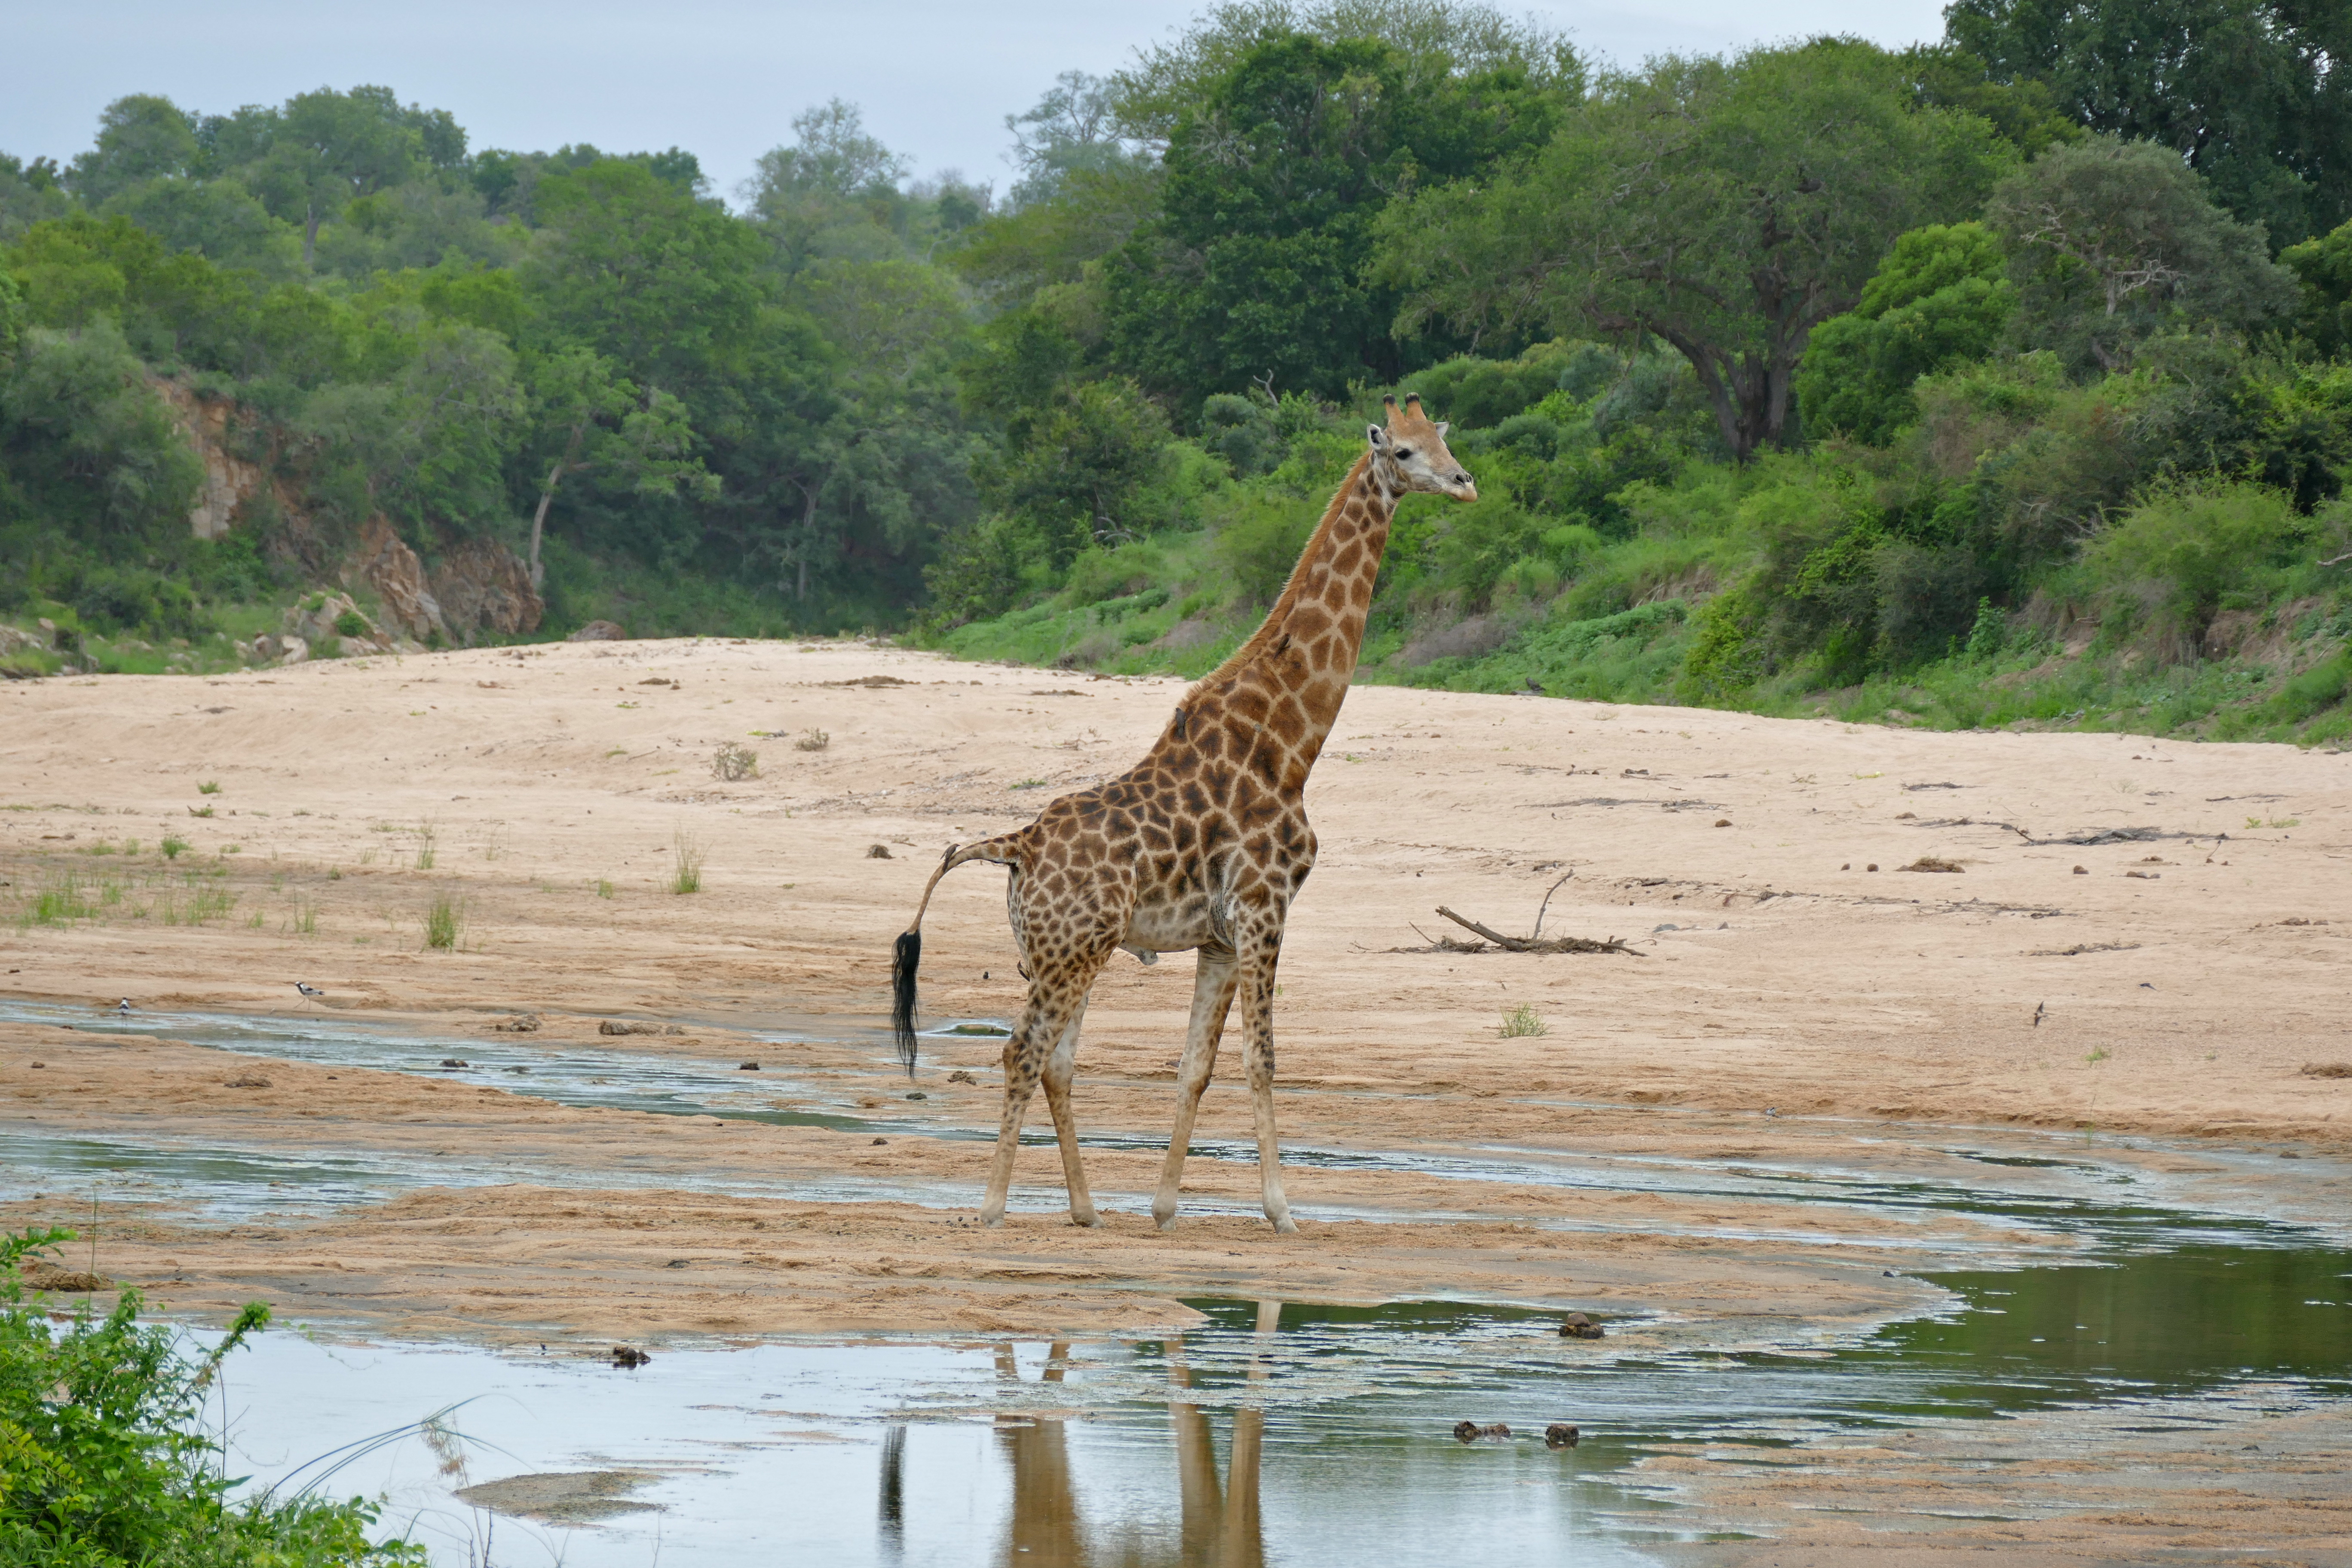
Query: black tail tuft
<point x="903" y="963"/>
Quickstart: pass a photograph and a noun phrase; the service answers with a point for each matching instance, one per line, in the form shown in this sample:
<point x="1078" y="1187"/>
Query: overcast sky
<point x="720" y="78"/>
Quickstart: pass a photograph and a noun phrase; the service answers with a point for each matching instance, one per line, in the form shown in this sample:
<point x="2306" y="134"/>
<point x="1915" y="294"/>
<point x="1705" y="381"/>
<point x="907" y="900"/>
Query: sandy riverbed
<point x="2178" y="984"/>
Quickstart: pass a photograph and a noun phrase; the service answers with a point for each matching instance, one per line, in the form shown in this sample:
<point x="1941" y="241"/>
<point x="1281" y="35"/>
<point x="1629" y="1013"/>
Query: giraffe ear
<point x="1377" y="437"/>
<point x="1443" y="427"/>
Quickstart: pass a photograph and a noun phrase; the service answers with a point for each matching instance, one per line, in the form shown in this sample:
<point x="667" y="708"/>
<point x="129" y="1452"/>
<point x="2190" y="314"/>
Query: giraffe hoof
<point x="1163" y="1225"/>
<point x="1086" y="1219"/>
<point x="1286" y="1226"/>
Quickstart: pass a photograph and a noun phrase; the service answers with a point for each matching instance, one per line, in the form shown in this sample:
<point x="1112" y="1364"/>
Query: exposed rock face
<point x="599" y="631"/>
<point x="229" y="481"/>
<point x="393" y="570"/>
<point x="320" y="616"/>
<point x="483" y="586"/>
<point x="286" y="649"/>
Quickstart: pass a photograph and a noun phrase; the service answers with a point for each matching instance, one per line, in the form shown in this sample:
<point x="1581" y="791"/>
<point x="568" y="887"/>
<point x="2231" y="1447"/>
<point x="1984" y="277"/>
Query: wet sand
<point x="1788" y="1003"/>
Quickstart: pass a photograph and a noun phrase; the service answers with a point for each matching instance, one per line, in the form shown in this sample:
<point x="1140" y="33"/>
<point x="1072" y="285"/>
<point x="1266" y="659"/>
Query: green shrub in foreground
<point x="102" y="1462"/>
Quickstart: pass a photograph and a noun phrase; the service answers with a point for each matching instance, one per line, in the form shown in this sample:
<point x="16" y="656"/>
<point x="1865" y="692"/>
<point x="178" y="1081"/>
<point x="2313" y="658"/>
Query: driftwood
<point x="1548" y="944"/>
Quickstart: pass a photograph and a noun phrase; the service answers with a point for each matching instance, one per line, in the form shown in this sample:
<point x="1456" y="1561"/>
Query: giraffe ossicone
<point x="1201" y="844"/>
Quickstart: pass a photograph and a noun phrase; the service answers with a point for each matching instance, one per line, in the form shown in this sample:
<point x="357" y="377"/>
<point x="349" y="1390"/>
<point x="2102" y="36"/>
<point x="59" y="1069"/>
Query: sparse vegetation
<point x="427" y="837"/>
<point x="445" y="923"/>
<point x="734" y="763"/>
<point x="1523" y="1020"/>
<point x="200" y="811"/>
<point x="811" y="740"/>
<point x="686" y="858"/>
<point x="172" y="848"/>
<point x="209" y="786"/>
<point x="604" y="888"/>
<point x="60" y="900"/>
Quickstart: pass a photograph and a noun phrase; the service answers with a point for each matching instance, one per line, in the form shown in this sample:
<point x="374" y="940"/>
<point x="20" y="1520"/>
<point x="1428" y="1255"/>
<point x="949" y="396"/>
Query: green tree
<point x="1076" y="479"/>
<point x="2253" y="94"/>
<point x="656" y="279"/>
<point x="832" y="194"/>
<point x="1254" y="266"/>
<point x="86" y="440"/>
<point x="2111" y="241"/>
<point x="325" y="149"/>
<point x="1438" y="40"/>
<point x="2323" y="266"/>
<point x="218" y="219"/>
<point x="1727" y="207"/>
<point x="140" y="138"/>
<point x="596" y="421"/>
<point x="1940" y="300"/>
<point x="29" y="193"/>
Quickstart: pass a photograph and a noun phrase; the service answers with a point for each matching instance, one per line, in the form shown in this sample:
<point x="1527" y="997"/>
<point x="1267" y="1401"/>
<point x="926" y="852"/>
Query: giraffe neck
<point x="1306" y="648"/>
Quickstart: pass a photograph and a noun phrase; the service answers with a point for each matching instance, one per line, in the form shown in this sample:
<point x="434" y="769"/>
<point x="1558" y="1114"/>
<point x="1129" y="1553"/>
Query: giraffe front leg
<point x="1257" y="1017"/>
<point x="1059" y="1069"/>
<point x="1213" y="977"/>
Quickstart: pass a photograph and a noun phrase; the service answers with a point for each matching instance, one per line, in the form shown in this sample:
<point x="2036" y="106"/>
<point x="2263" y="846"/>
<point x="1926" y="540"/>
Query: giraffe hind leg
<point x="1060" y="1067"/>
<point x="1057" y="996"/>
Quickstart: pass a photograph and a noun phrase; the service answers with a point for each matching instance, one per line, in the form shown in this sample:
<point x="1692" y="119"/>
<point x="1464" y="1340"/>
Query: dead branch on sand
<point x="1516" y="943"/>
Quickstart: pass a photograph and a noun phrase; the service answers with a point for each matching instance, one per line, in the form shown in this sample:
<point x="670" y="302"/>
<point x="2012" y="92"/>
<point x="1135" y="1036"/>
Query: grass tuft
<point x="1523" y="1020"/>
<point x="733" y="763"/>
<point x="172" y="848"/>
<point x="811" y="740"/>
<point x="209" y="786"/>
<point x="445" y="923"/>
<point x="427" y="837"/>
<point x="687" y="877"/>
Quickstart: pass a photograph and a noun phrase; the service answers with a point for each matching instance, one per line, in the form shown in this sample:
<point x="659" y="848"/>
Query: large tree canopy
<point x="1727" y="207"/>
<point x="1255" y="266"/>
<point x="2256" y="95"/>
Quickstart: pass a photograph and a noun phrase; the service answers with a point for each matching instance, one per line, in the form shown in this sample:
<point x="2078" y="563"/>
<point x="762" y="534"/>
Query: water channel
<point x="1285" y="1433"/>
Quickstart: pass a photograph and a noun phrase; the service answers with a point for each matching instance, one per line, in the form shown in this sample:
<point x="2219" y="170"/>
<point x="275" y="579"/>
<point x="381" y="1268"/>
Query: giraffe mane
<point x="1317" y="543"/>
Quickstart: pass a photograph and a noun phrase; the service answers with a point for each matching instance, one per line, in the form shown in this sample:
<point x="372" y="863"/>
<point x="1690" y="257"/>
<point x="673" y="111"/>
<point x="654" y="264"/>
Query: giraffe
<point x="1201" y="844"/>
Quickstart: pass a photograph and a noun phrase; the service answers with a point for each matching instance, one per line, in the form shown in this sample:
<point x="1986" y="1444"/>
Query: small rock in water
<point x="747" y="1066"/>
<point x="521" y="1024"/>
<point x="960" y="1076"/>
<point x="919" y="1094"/>
<point x="676" y="1263"/>
<point x="1470" y="1431"/>
<point x="1577" y="1326"/>
<point x="455" y="1062"/>
<point x="629" y="1355"/>
<point x="1560" y="1435"/>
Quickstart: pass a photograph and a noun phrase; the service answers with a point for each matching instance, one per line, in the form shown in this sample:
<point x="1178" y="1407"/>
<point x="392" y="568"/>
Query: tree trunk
<point x="808" y="537"/>
<point x="547" y="494"/>
<point x="309" y="235"/>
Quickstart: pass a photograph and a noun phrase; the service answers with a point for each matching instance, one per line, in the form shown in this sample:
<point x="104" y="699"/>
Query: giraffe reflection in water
<point x="1220" y="1524"/>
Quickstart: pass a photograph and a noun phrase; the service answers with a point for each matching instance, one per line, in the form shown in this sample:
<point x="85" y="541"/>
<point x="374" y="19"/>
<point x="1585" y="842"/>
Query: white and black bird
<point x="308" y="990"/>
<point x="123" y="1005"/>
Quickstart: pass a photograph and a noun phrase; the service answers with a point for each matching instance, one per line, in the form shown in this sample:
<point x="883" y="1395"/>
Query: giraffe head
<point x="1410" y="455"/>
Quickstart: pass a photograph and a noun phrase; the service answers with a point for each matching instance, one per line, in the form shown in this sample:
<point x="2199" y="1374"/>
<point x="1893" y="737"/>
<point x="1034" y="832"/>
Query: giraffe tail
<point x="907" y="955"/>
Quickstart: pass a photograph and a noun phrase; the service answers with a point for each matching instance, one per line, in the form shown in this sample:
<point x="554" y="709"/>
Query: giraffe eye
<point x="1404" y="451"/>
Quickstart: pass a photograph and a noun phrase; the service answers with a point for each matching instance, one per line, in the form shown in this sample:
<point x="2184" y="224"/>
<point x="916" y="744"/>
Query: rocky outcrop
<point x="228" y="479"/>
<point x="388" y="565"/>
<point x="599" y="631"/>
<point x="483" y="586"/>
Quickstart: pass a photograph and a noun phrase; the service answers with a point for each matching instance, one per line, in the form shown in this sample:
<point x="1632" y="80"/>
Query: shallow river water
<point x="1286" y="1433"/>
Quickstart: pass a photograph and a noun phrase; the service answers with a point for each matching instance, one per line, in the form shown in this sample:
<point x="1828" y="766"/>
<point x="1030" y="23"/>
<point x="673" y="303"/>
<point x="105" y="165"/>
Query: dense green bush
<point x="103" y="1463"/>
